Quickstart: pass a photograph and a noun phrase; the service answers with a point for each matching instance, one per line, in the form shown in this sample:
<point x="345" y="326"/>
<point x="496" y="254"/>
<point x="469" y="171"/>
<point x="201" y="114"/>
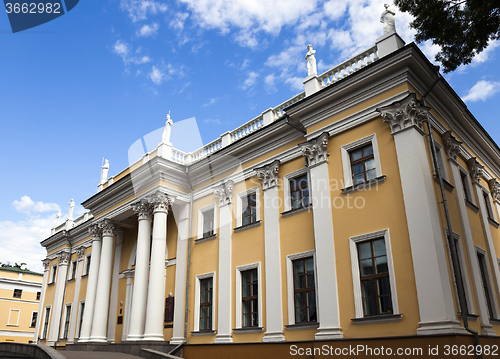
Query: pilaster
<point x="113" y="300"/>
<point x="46" y="267"/>
<point x="62" y="271"/>
<point x="79" y="270"/>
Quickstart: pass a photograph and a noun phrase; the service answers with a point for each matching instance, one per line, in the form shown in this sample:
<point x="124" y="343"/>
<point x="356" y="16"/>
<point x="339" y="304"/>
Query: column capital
<point x="476" y="170"/>
<point x="107" y="227"/>
<point x="316" y="150"/>
<point x="63" y="258"/>
<point x="46" y="264"/>
<point x="80" y="253"/>
<point x="129" y="273"/>
<point x="95" y="231"/>
<point x="495" y="189"/>
<point x="451" y="145"/>
<point x="143" y="209"/>
<point x="160" y="201"/>
<point x="224" y="192"/>
<point x="269" y="174"/>
<point x="404" y="114"/>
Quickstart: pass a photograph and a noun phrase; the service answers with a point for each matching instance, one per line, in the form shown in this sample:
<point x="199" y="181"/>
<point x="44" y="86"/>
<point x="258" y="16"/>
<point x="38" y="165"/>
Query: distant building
<point x="20" y="292"/>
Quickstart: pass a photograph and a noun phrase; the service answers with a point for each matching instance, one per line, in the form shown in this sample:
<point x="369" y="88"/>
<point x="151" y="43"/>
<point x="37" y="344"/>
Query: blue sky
<point x="90" y="83"/>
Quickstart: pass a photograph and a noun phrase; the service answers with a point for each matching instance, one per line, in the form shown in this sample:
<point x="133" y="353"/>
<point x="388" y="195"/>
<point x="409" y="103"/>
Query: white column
<point x="432" y="277"/>
<point x="139" y="296"/>
<point x="224" y="193"/>
<point x="114" y="287"/>
<point x="58" y="299"/>
<point x="452" y="147"/>
<point x="316" y="152"/>
<point x="156" y="289"/>
<point x="274" y="303"/>
<point x="182" y="218"/>
<point x="46" y="267"/>
<point x="99" y="325"/>
<point x="129" y="274"/>
<point x="88" y="314"/>
<point x="74" y="312"/>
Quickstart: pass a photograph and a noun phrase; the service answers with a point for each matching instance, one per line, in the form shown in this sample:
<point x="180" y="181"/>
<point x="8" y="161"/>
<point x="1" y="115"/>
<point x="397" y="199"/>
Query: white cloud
<point x="335" y="9"/>
<point x="140" y="9"/>
<point x="122" y="49"/>
<point x="269" y="80"/>
<point x="156" y="75"/>
<point x="179" y="20"/>
<point x="27" y="205"/>
<point x="210" y="103"/>
<point x="209" y="121"/>
<point x="147" y="30"/>
<point x="486" y="53"/>
<point x="250" y="80"/>
<point x="481" y="91"/>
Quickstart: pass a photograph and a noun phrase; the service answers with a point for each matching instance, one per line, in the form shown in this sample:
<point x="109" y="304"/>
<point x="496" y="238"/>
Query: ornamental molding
<point x="269" y="174"/>
<point x="495" y="189"/>
<point x="143" y="209"/>
<point x="476" y="170"/>
<point x="316" y="150"/>
<point x="160" y="202"/>
<point x="108" y="228"/>
<point x="95" y="231"/>
<point x="224" y="192"/>
<point x="80" y="252"/>
<point x="46" y="264"/>
<point x="63" y="258"/>
<point x="451" y="145"/>
<point x="404" y="114"/>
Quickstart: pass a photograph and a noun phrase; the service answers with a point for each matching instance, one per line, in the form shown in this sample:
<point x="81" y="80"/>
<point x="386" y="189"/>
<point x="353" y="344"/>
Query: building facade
<point x="319" y="221"/>
<point x="20" y="292"/>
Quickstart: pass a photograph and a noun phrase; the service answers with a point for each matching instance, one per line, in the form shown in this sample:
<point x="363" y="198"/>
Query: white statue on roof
<point x="71" y="209"/>
<point x="387" y="18"/>
<point x="58" y="217"/>
<point x="104" y="172"/>
<point x="165" y="138"/>
<point x="311" y="61"/>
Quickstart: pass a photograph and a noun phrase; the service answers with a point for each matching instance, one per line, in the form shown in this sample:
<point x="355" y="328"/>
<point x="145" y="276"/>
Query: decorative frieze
<point x="108" y="228"/>
<point x="316" y="150"/>
<point x="160" y="202"/>
<point x="80" y="252"/>
<point x="143" y="209"/>
<point x="495" y="189"/>
<point x="269" y="174"/>
<point x="63" y="258"/>
<point x="451" y="145"/>
<point x="404" y="114"/>
<point x="46" y="264"/>
<point x="224" y="192"/>
<point x="476" y="170"/>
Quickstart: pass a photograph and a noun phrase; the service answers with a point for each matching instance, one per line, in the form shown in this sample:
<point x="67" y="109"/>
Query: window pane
<point x="203" y="323"/>
<point x="357" y="168"/>
<point x="364" y="250"/>
<point x="370" y="306"/>
<point x="300" y="315"/>
<point x="300" y="299"/>
<point x="385" y="304"/>
<point x="246" y="220"/>
<point x="359" y="178"/>
<point x="370" y="164"/>
<point x="366" y="267"/>
<point x="371" y="174"/>
<point x="369" y="288"/>
<point x="298" y="267"/>
<point x="299" y="282"/>
<point x="381" y="264"/>
<point x="384" y="287"/>
<point x="367" y="151"/>
<point x="379" y="247"/>
<point x="247" y="307"/>
<point x="311" y="298"/>
<point x="356" y="155"/>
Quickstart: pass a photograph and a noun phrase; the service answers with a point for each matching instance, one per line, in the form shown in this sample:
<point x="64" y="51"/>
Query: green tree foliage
<point x="462" y="28"/>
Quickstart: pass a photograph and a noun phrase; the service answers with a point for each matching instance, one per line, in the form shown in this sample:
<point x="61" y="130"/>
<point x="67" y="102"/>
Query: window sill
<point x="471" y="206"/>
<point x="470" y="317"/>
<point x="247" y="226"/>
<point x="51" y="283"/>
<point x="85" y="276"/>
<point x="247" y="330"/>
<point x="493" y="222"/>
<point x="205" y="239"/>
<point x="364" y="185"/>
<point x="203" y="332"/>
<point x="495" y="321"/>
<point x="447" y="185"/>
<point x="376" y="319"/>
<point x="297" y="211"/>
<point x="302" y="326"/>
<point x="71" y="280"/>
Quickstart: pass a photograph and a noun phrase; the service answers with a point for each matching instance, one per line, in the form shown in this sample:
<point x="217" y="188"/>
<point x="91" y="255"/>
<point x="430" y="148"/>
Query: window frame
<point x="490" y="212"/>
<point x="356" y="275"/>
<point x="201" y="217"/>
<point x="17" y="291"/>
<point x="346" y="158"/>
<point x="442" y="161"/>
<point x="287" y="190"/>
<point x="67" y="319"/>
<point x="86" y="265"/>
<point x="489" y="282"/>
<point x="9" y="320"/>
<point x="197" y="299"/>
<point x="239" y="294"/>
<point x="290" y="284"/>
<point x="80" y="319"/>
<point x="74" y="269"/>
<point x="239" y="200"/>
<point x="34" y="315"/>
<point x="46" y="322"/>
<point x="38" y="295"/>
<point x="466" y="186"/>
<point x="53" y="273"/>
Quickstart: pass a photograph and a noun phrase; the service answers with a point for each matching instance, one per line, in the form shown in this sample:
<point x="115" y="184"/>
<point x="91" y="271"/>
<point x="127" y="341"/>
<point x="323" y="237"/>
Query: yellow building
<point x="20" y="291"/>
<point x="318" y="223"/>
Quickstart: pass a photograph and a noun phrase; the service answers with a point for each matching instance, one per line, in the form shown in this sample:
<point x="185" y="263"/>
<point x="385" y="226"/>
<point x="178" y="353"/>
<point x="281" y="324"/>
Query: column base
<point x="328" y="333"/>
<point x="488" y="331"/>
<point x="83" y="340"/>
<point x="50" y="344"/>
<point x="134" y="337"/>
<point x="273" y="337"/>
<point x="447" y="326"/>
<point x="223" y="338"/>
<point x="176" y="341"/>
<point x="98" y="339"/>
<point x="156" y="337"/>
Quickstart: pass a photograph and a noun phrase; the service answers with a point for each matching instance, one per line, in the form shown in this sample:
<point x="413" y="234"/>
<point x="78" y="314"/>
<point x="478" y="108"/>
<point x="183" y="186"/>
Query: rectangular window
<point x="54" y="273"/>
<point x="46" y="323"/>
<point x="82" y="310"/>
<point x="484" y="278"/>
<point x="18" y="293"/>
<point x="34" y="316"/>
<point x="14" y="317"/>
<point x="250" y="298"/>
<point x="489" y="212"/>
<point x="304" y="290"/>
<point x="206" y="297"/>
<point x="208" y="223"/>
<point x="249" y="206"/>
<point x="66" y="321"/>
<point x="73" y="270"/>
<point x="374" y="276"/>
<point x="465" y="186"/>
<point x="87" y="269"/>
<point x="299" y="192"/>
<point x="38" y="295"/>
<point x="363" y="164"/>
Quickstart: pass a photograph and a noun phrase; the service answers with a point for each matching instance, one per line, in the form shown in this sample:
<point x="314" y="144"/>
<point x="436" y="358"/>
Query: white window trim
<point x="239" y="206"/>
<point x="31" y="320"/>
<point x="463" y="270"/>
<point x="10" y="322"/>
<point x="78" y="318"/>
<point x="48" y="321"/>
<point x="84" y="272"/>
<point x="346" y="161"/>
<point x="197" y="299"/>
<point x="286" y="186"/>
<point x="76" y="269"/>
<point x="356" y="281"/>
<point x="490" y="282"/>
<point x="53" y="274"/>
<point x="489" y="203"/>
<point x="442" y="161"/>
<point x="470" y="194"/>
<point x="289" y="279"/>
<point x="201" y="213"/>
<point x="239" y="294"/>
